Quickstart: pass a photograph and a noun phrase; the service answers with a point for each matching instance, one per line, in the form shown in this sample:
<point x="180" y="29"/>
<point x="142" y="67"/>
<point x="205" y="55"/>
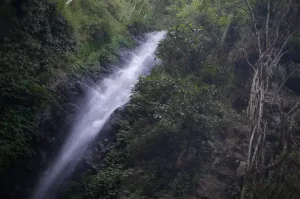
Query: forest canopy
<point x="218" y="117"/>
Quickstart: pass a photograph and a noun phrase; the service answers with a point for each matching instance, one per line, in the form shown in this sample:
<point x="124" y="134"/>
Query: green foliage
<point x="98" y="31"/>
<point x="39" y="40"/>
<point x="185" y="47"/>
<point x="169" y="113"/>
<point x="172" y="104"/>
<point x="162" y="109"/>
<point x="101" y="27"/>
<point x="159" y="145"/>
<point x="191" y="50"/>
<point x="158" y="151"/>
<point x="32" y="43"/>
<point x="104" y="186"/>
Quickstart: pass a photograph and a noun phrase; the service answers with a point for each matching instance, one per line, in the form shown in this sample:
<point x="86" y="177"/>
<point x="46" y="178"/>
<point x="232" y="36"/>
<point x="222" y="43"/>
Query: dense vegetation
<point x="202" y="87"/>
<point x="45" y="41"/>
<point x="226" y="66"/>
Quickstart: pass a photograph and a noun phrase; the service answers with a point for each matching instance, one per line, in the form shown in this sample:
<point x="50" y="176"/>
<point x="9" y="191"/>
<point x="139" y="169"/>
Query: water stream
<point x="101" y="101"/>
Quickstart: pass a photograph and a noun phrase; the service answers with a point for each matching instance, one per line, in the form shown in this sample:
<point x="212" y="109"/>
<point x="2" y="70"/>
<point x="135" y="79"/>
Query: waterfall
<point x="69" y="1"/>
<point x="101" y="101"/>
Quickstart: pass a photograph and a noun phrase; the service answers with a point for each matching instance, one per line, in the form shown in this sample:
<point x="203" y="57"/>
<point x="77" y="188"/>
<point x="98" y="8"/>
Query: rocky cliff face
<point x="223" y="174"/>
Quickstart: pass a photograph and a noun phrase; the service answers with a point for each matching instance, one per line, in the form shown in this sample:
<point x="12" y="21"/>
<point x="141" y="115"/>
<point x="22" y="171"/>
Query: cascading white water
<point x="101" y="101"/>
<point x="69" y="1"/>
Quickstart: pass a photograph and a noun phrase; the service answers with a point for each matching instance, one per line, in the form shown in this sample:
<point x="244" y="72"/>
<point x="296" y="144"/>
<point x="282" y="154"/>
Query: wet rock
<point x="217" y="162"/>
<point x="211" y="188"/>
<point x="234" y="191"/>
<point x="238" y="156"/>
<point x="188" y="156"/>
<point x="271" y="146"/>
<point x="87" y="165"/>
<point x="241" y="169"/>
<point x="100" y="146"/>
<point x="191" y="154"/>
<point x="61" y="77"/>
<point x="225" y="172"/>
<point x="235" y="131"/>
<point x="211" y="144"/>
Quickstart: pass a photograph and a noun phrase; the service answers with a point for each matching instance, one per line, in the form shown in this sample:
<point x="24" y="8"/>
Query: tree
<point x="273" y="24"/>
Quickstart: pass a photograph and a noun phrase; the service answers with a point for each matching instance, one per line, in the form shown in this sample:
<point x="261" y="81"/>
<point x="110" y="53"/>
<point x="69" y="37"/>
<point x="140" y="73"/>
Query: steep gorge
<point x="186" y="131"/>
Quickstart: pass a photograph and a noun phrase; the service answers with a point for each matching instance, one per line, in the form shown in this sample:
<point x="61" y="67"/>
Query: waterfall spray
<point x="111" y="93"/>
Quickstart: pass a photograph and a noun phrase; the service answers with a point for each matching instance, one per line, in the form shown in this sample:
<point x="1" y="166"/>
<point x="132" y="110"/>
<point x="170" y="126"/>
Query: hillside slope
<point x="219" y="117"/>
<point x="46" y="47"/>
